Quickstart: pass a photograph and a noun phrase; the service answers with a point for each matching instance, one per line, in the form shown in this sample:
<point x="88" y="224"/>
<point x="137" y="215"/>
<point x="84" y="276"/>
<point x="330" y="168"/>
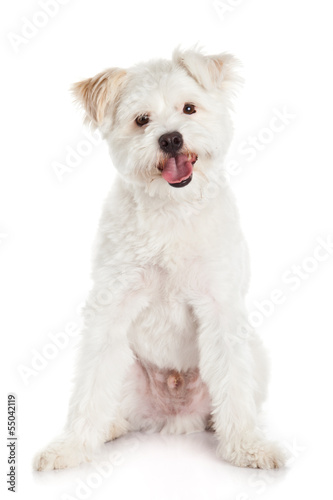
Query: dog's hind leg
<point x="117" y="429"/>
<point x="105" y="357"/>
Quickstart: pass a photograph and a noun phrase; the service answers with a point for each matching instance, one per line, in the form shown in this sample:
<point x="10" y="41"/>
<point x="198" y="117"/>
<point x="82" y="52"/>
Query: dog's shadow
<point x="131" y="462"/>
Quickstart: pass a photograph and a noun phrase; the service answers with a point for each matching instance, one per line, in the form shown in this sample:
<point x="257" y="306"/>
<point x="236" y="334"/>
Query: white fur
<point x="170" y="269"/>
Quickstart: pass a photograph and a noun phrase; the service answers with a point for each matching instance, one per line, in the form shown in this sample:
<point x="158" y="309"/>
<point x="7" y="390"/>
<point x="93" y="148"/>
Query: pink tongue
<point x="176" y="169"/>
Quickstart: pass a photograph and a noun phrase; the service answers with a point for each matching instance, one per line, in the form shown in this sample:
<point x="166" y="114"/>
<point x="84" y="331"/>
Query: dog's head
<point x="167" y="123"/>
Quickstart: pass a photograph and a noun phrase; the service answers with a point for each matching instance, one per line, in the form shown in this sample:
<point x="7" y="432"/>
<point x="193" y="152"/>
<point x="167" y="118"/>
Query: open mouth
<point x="177" y="170"/>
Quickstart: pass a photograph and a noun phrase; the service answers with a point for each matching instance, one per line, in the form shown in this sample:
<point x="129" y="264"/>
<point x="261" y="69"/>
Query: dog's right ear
<point x="211" y="72"/>
<point x="99" y="93"/>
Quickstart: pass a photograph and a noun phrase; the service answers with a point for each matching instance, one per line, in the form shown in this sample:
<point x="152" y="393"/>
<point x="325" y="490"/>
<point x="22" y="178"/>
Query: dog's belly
<point x="164" y="382"/>
<point x="163" y="393"/>
<point x="166" y="335"/>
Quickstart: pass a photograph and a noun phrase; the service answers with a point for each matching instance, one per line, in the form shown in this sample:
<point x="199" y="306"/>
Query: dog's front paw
<point x="59" y="454"/>
<point x="258" y="454"/>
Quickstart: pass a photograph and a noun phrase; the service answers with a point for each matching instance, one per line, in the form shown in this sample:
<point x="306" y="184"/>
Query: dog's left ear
<point x="211" y="72"/>
<point x="99" y="93"/>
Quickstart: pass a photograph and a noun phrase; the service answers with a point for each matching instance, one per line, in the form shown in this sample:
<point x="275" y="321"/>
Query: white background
<point x="47" y="228"/>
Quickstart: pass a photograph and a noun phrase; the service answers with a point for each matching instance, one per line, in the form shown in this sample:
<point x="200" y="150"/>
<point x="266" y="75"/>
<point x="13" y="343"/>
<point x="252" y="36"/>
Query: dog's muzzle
<point x="177" y="168"/>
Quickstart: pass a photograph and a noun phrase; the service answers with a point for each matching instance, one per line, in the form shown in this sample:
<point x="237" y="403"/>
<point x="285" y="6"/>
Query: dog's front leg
<point x="104" y="358"/>
<point x="227" y="367"/>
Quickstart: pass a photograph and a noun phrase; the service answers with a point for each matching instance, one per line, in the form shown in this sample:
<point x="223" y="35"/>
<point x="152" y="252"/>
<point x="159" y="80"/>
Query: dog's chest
<point x="165" y="333"/>
<point x="175" y="245"/>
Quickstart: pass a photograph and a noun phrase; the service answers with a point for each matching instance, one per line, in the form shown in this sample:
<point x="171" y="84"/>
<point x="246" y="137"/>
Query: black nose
<point x="171" y="143"/>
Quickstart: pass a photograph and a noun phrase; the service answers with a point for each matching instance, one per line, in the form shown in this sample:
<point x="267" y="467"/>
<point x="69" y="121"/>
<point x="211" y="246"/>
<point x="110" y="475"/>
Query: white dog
<point x="166" y="345"/>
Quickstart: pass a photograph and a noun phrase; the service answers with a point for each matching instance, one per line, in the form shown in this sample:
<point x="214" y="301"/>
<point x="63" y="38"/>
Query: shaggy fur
<point x="166" y="345"/>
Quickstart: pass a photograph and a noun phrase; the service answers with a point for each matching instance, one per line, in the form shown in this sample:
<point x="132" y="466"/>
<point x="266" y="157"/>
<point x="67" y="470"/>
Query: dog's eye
<point x="142" y="120"/>
<point x="189" y="109"/>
